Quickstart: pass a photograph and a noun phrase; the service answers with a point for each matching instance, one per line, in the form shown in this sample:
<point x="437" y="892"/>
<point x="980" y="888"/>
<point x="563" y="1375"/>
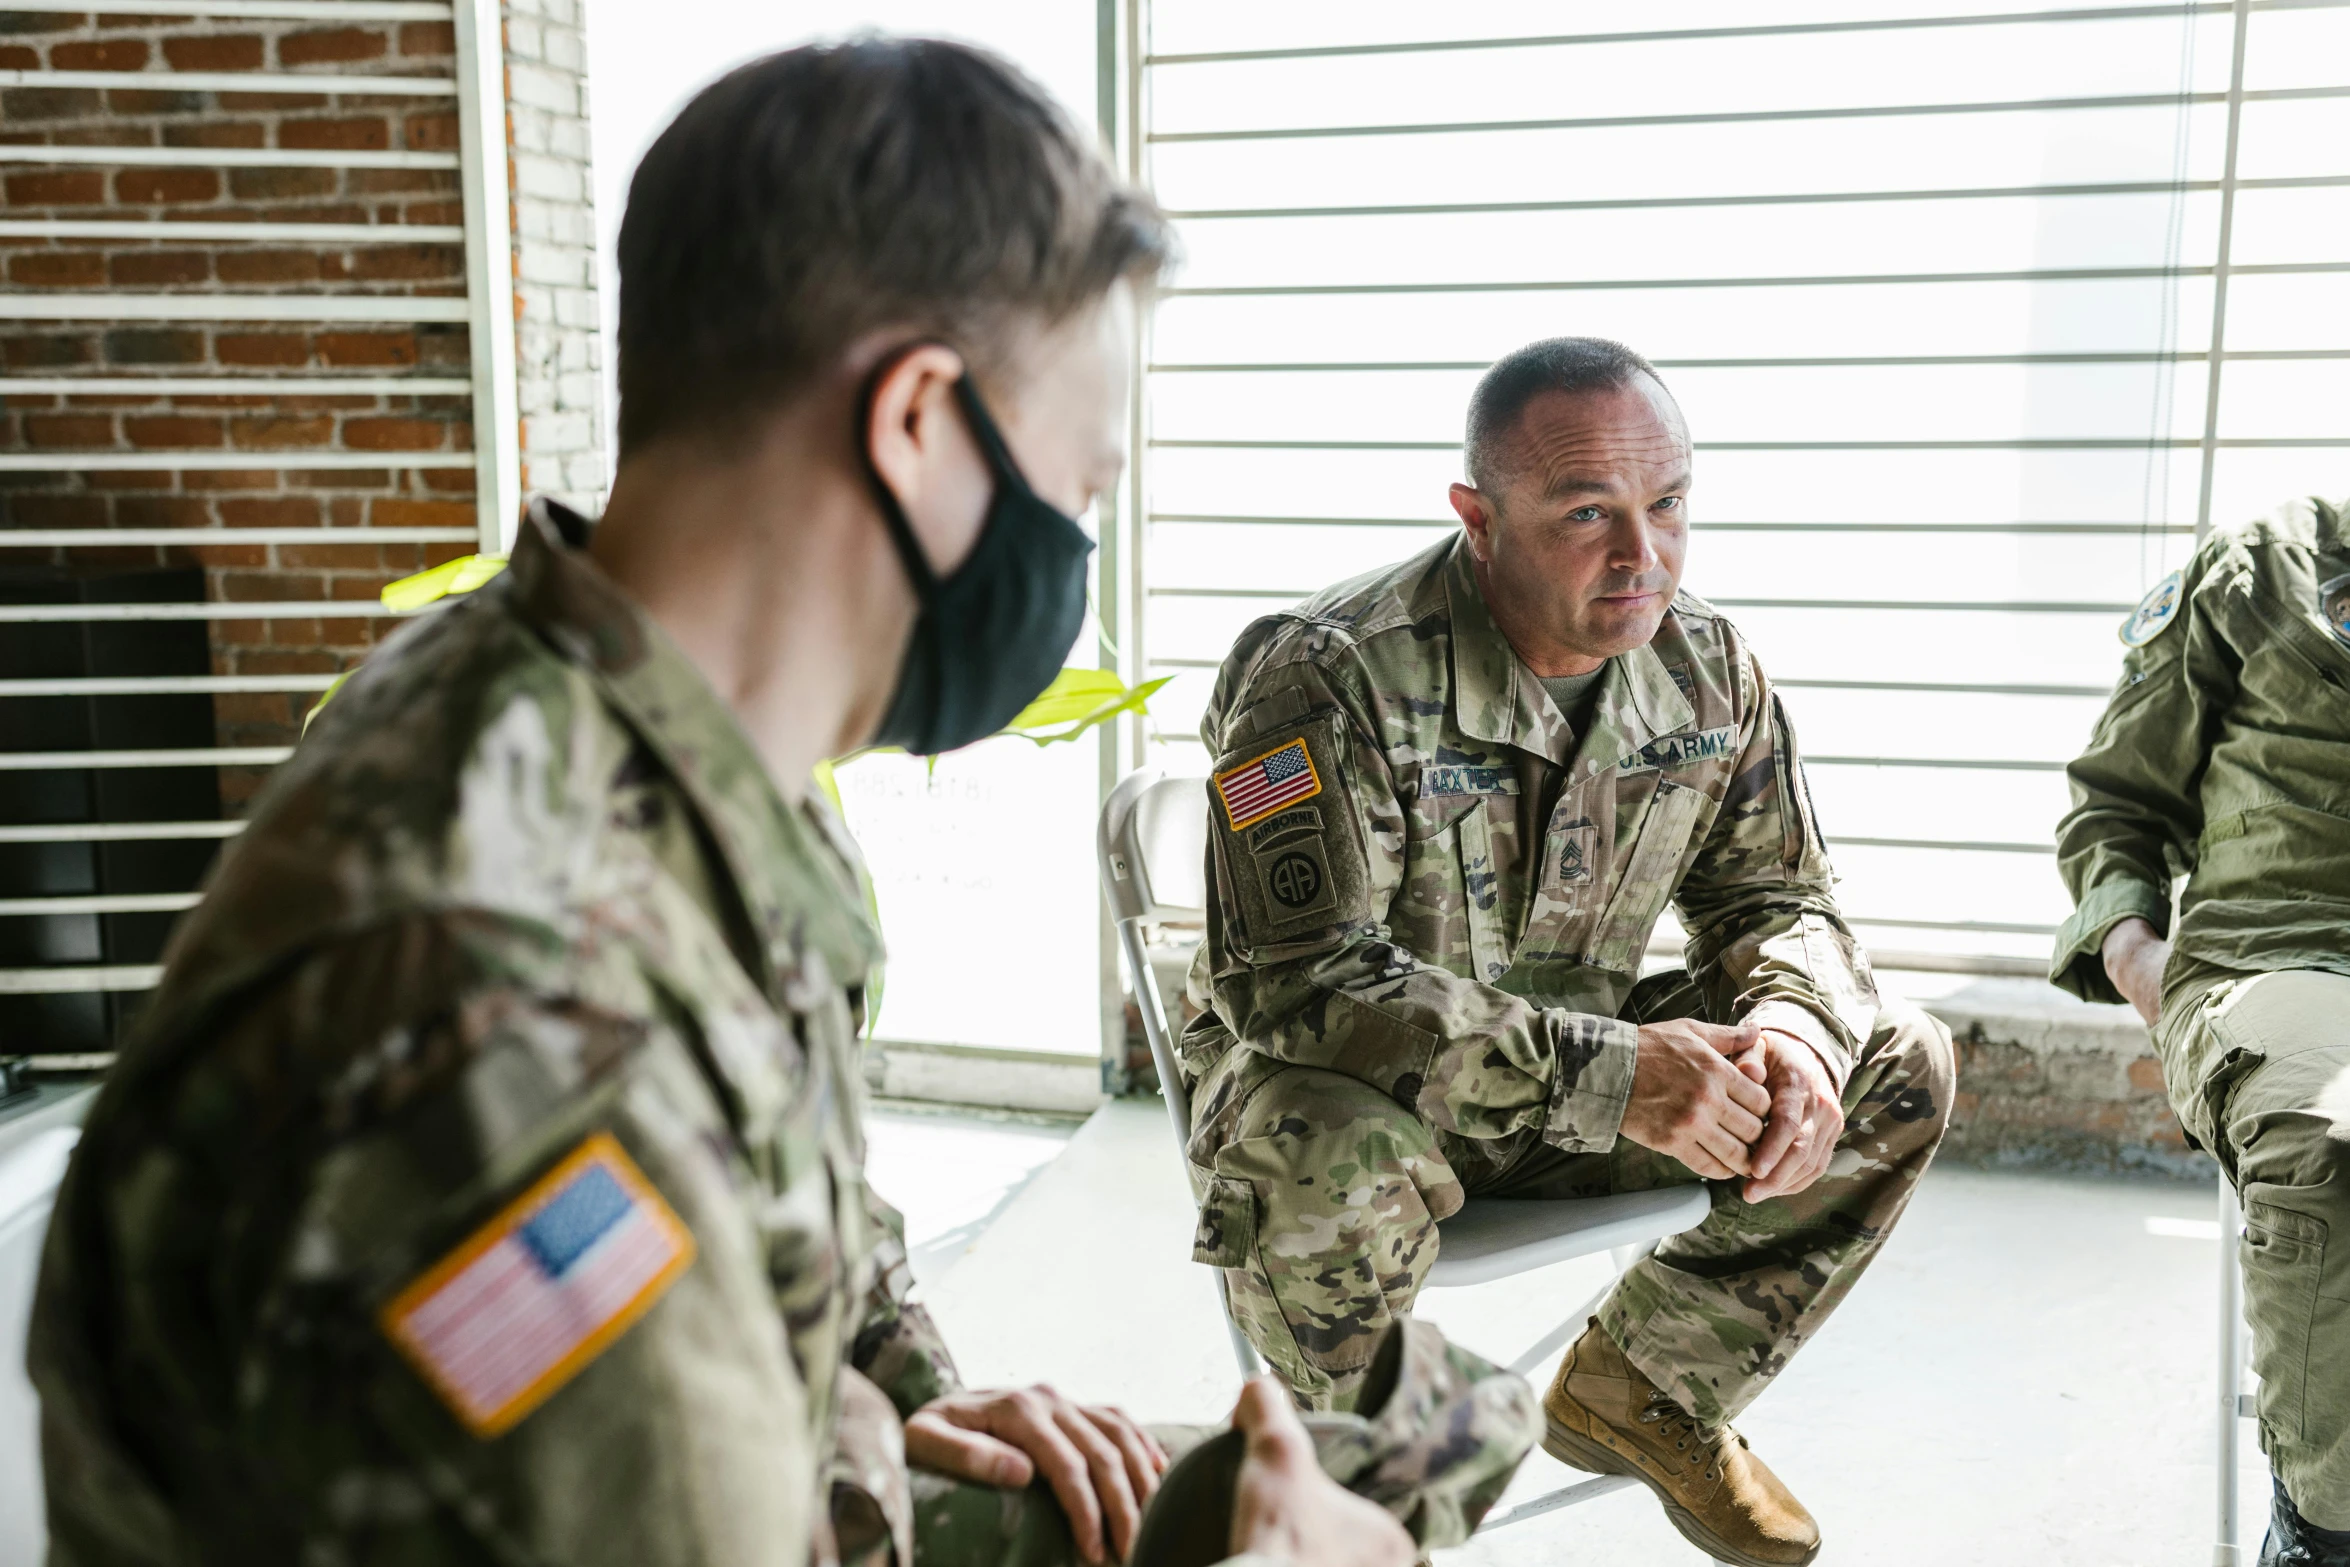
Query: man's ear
<point x="918" y="441"/>
<point x="1476" y="514"/>
<point x="911" y="422"/>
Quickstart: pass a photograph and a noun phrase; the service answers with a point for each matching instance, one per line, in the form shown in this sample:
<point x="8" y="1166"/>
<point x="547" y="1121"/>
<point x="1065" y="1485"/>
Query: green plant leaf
<point x="324" y="697"/>
<point x="1079" y="700"/>
<point x="461" y="575"/>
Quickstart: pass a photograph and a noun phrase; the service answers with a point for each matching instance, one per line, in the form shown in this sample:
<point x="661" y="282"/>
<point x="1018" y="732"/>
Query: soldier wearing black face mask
<point x="485" y="1183"/>
<point x="992" y="633"/>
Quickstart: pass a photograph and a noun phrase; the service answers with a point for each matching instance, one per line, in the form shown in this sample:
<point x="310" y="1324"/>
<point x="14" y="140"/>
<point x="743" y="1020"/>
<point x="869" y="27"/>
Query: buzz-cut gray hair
<point x="1555" y="364"/>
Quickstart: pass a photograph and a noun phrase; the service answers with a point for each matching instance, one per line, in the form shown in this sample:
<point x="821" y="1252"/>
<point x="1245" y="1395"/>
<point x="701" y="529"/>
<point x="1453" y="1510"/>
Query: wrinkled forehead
<point x="1628" y="438"/>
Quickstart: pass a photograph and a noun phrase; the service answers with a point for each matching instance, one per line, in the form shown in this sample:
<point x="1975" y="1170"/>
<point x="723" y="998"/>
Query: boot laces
<point x="1682" y="1428"/>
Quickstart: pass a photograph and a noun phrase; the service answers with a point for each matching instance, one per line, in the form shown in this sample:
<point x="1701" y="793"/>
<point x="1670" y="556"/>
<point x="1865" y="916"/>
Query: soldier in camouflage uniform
<point x="2225" y="755"/>
<point x="1432" y="891"/>
<point x="484" y="1183"/>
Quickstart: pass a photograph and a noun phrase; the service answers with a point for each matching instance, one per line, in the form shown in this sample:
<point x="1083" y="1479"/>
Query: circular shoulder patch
<point x="2156" y="610"/>
<point x="2333" y="606"/>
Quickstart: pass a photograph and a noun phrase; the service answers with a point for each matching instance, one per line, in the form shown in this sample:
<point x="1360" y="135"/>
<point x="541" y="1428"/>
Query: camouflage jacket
<point x="1421" y="877"/>
<point x="522" y="964"/>
<point x="2224" y="756"/>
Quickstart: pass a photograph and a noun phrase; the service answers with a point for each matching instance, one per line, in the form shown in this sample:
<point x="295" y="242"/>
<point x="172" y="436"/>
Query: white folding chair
<point x="1153" y="842"/>
<point x="2236" y="1401"/>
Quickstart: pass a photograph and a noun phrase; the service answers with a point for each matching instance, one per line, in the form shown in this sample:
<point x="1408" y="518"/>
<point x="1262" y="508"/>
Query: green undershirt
<point x="1574" y="696"/>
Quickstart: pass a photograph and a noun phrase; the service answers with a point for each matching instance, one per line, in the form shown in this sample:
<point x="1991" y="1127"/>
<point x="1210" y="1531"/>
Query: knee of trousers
<point x="2295" y="1256"/>
<point x="1324" y="1195"/>
<point x="1917" y="1076"/>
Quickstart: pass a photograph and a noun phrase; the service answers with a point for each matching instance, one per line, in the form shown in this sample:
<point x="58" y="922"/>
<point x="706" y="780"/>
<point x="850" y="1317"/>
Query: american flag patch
<point x="1256" y="789"/>
<point x="532" y="1296"/>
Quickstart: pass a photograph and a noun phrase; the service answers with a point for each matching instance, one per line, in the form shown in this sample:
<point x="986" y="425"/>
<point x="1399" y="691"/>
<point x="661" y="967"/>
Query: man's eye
<point x="1669" y="503"/>
<point x="1585" y="514"/>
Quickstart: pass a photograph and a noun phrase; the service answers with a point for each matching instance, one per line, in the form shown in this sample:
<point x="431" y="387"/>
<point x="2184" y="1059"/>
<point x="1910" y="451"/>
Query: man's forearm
<point x="2134" y="955"/>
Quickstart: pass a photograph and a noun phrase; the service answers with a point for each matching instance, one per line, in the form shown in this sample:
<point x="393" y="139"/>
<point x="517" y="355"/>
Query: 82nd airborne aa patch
<point x="524" y="1303"/>
<point x="2155" y="611"/>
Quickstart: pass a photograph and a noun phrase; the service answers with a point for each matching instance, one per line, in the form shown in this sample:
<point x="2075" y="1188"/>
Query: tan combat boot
<point x="1607" y="1418"/>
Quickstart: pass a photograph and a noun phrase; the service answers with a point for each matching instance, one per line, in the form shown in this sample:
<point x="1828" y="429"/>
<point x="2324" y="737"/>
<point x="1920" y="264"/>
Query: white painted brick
<point x="556" y="265"/>
<point x="576" y="307"/>
<point x="571" y="138"/>
<point x="565" y="49"/>
<point x="540" y="222"/>
<point x="533" y="130"/>
<point x="550" y="179"/>
<point x="558" y="347"/>
<point x="558" y="432"/>
<point x="555" y="91"/>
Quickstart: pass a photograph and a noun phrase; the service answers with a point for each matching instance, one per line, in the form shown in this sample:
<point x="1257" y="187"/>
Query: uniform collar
<point x="1496" y="698"/>
<point x="776" y="855"/>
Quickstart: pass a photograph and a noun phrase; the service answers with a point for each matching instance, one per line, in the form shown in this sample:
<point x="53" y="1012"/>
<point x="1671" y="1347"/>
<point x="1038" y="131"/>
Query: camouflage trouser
<point x="1441" y="1434"/>
<point x="2259" y="1065"/>
<point x="1323" y="1195"/>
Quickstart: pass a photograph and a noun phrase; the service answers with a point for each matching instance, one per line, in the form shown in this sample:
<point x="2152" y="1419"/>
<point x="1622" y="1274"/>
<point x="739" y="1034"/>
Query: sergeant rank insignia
<point x="2333" y="606"/>
<point x="529" y="1299"/>
<point x="2155" y="611"/>
<point x="1262" y="785"/>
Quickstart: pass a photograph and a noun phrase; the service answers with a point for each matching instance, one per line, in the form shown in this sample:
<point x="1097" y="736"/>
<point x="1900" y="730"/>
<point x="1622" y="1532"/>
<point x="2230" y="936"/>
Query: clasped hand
<point x="1732" y="1102"/>
<point x="1103" y="1469"/>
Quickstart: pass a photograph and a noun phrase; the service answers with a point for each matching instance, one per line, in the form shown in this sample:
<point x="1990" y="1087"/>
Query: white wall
<point x="983" y="865"/>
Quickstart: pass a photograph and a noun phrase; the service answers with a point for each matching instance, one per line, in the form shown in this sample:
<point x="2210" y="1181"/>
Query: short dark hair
<point x="1556" y="364"/>
<point x="806" y="199"/>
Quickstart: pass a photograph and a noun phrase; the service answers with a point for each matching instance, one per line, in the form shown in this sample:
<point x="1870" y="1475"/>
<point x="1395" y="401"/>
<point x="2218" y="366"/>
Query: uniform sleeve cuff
<point x="1792" y="1017"/>
<point x="1593" y="1081"/>
<point x="2079" y="963"/>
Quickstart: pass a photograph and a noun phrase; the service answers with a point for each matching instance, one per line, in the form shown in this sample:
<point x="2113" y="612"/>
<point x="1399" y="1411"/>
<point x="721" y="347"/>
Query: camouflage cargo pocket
<point x="1227" y="1234"/>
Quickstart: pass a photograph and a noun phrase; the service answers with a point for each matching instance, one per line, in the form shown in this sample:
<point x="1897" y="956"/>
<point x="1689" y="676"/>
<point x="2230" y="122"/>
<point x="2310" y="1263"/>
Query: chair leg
<point x="1619" y="1258"/>
<point x="2225" y="1552"/>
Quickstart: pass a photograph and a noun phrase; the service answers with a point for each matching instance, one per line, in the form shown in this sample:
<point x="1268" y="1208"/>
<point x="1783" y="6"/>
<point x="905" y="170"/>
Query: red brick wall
<point x="347" y="566"/>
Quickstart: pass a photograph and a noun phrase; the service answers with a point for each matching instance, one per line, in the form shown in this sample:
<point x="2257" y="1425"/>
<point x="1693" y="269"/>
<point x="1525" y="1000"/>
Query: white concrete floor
<point x="2026" y="1376"/>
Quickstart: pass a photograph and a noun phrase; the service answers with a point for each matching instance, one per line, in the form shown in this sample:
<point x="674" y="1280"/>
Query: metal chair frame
<point x="2237" y="1402"/>
<point x="1152" y="841"/>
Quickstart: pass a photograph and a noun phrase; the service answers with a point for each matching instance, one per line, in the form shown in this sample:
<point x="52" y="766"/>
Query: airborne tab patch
<point x="2155" y="611"/>
<point x="1286" y="824"/>
<point x="1667" y="751"/>
<point x="1262" y="785"/>
<point x="529" y="1299"/>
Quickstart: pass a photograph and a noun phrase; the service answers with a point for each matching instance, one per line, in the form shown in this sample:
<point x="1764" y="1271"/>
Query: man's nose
<point x="1633" y="547"/>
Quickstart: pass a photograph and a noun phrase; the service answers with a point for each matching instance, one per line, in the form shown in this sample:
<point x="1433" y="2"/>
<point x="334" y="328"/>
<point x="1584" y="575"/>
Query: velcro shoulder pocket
<point x="1227" y="1234"/>
<point x="1289" y="845"/>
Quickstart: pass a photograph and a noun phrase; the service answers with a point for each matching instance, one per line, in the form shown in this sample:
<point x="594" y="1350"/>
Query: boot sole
<point x="1580" y="1452"/>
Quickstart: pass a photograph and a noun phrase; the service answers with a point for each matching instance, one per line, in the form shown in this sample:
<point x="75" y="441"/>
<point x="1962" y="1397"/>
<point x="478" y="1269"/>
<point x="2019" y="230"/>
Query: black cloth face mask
<point x="990" y="637"/>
